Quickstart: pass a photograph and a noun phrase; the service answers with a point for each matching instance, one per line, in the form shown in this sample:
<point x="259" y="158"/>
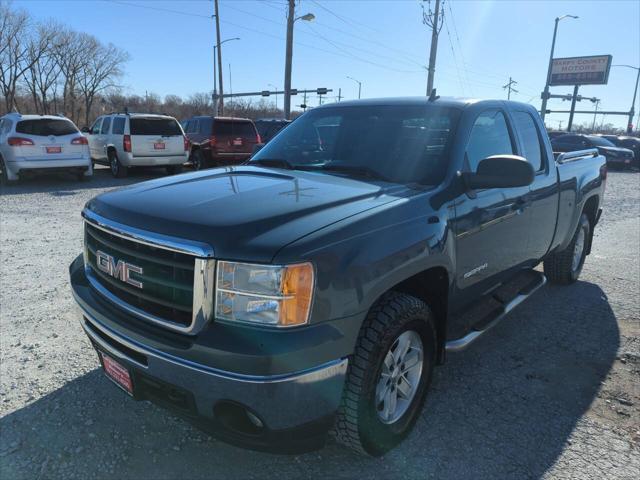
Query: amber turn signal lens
<point x="297" y="290"/>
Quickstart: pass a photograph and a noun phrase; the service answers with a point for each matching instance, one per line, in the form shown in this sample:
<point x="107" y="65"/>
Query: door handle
<point x="522" y="203"/>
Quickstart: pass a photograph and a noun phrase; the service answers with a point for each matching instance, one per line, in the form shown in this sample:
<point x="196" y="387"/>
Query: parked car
<point x="616" y="156"/>
<point x="32" y="144"/>
<point x="218" y="141"/>
<point x="553" y="134"/>
<point x="316" y="287"/>
<point x="269" y="127"/>
<point x="126" y="140"/>
<point x="623" y="141"/>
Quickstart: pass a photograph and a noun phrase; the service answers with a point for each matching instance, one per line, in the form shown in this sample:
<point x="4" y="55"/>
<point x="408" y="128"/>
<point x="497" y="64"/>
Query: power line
<point x="460" y="49"/>
<point x="348" y="21"/>
<point x="455" y="59"/>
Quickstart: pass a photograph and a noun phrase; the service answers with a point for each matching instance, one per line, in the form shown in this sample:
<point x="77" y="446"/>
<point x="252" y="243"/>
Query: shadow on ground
<point x="502" y="409"/>
<point x="60" y="184"/>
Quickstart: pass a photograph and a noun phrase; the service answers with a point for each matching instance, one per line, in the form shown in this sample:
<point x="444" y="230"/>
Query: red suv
<point x="217" y="141"/>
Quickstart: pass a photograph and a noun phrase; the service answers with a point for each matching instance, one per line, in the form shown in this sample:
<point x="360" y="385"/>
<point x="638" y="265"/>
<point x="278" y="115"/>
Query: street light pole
<point x="291" y="18"/>
<point x="359" y="85"/>
<point x="545" y="94"/>
<point x="633" y="102"/>
<point x="215" y="90"/>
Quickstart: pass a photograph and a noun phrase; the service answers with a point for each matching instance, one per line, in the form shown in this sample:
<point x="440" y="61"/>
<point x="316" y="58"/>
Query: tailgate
<point x="156" y="137"/>
<point x="235" y="136"/>
<point x="156" y="145"/>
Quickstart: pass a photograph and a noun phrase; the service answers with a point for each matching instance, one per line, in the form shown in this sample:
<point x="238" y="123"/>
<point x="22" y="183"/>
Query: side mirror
<point x="500" y="171"/>
<point x="85" y="130"/>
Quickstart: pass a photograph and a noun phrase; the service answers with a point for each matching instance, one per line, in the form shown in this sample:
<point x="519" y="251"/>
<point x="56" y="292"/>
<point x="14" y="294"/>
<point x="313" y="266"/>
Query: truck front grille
<point x="167" y="278"/>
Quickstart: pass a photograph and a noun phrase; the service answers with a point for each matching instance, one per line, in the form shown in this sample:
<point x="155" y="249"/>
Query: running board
<point x="468" y="339"/>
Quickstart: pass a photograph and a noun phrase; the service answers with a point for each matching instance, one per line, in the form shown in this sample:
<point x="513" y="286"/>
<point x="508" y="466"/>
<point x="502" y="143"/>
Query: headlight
<point x="279" y="296"/>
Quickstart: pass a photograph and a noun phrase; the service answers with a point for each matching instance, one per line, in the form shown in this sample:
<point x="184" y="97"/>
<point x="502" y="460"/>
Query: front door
<point x="95" y="147"/>
<point x="491" y="225"/>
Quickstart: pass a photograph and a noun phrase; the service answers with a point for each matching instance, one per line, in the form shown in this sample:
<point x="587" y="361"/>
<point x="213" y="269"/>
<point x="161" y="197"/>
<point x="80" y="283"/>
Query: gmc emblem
<point x="120" y="269"/>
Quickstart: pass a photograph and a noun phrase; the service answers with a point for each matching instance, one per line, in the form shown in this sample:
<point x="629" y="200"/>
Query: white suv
<point x="124" y="140"/>
<point x="41" y="143"/>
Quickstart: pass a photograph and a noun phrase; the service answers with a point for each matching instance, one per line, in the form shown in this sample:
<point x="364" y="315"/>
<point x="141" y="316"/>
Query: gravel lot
<point x="552" y="392"/>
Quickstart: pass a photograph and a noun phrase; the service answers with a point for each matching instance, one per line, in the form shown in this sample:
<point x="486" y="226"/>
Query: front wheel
<point x="388" y="375"/>
<point x="564" y="267"/>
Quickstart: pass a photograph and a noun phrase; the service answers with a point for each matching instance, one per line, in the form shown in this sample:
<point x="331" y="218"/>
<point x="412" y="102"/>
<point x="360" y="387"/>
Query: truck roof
<point x="19" y="116"/>
<point x="459" y="102"/>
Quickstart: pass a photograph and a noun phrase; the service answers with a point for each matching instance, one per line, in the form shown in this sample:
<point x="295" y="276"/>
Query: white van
<point x="125" y="140"/>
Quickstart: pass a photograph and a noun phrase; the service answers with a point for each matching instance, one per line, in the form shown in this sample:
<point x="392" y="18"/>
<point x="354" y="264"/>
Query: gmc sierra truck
<point x="312" y="290"/>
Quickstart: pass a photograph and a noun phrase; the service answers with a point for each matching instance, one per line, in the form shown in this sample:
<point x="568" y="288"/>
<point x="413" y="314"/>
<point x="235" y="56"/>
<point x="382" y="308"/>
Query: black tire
<point x="559" y="267"/>
<point x="174" y="169"/>
<point x="117" y="169"/>
<point x="4" y="176"/>
<point x="197" y="160"/>
<point x="358" y="425"/>
<point x="80" y="176"/>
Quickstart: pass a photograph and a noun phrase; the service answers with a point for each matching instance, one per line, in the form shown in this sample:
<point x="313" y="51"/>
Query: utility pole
<point x="217" y="16"/>
<point x="509" y="88"/>
<point x="359" y="85"/>
<point x="573" y="107"/>
<point x="288" y="59"/>
<point x="433" y="20"/>
<point x="339" y="94"/>
<point x="595" y="112"/>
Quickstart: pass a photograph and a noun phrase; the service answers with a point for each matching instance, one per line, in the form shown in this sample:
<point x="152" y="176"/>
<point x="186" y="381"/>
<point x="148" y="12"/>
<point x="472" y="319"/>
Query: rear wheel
<point x="4" y="174"/>
<point x="388" y="375"/>
<point x="117" y="169"/>
<point x="564" y="267"/>
<point x="197" y="160"/>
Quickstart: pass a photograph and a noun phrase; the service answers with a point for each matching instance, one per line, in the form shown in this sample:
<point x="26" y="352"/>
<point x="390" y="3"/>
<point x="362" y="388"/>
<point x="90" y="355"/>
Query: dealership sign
<point x="580" y="70"/>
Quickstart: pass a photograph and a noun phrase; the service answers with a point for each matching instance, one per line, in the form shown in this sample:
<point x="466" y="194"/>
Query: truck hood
<point x="243" y="213"/>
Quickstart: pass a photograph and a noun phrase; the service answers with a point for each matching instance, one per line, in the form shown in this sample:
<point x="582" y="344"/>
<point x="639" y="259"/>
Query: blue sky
<point x="382" y="43"/>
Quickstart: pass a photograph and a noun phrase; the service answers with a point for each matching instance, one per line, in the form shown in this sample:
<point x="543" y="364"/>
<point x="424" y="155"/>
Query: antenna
<point x="433" y="97"/>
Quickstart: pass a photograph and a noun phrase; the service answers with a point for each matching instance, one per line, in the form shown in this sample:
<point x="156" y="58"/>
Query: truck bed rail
<point x="565" y="157"/>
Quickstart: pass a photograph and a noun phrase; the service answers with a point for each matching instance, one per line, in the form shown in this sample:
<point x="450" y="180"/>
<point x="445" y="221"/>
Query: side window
<point x="95" y="128"/>
<point x="532" y="150"/>
<point x="204" y="126"/>
<point x="118" y="126"/>
<point x="105" y="125"/>
<point x="489" y="136"/>
<point x="193" y="126"/>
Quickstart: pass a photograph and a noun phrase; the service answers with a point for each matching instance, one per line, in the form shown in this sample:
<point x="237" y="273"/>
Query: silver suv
<point x="41" y="143"/>
<point x="125" y="140"/>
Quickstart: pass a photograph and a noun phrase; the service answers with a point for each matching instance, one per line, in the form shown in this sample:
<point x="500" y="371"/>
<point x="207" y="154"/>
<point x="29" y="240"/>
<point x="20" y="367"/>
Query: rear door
<point x="234" y="138"/>
<point x="155" y="137"/>
<point x="51" y="139"/>
<point x="92" y="136"/>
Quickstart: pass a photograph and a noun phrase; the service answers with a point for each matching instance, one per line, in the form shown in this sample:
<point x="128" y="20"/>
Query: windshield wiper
<point x="360" y="170"/>
<point x="273" y="162"/>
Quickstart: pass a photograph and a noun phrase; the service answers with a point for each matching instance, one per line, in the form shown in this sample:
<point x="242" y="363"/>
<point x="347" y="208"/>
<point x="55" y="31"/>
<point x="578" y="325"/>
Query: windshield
<point x="601" y="142"/>
<point x="154" y="126"/>
<point x="401" y="144"/>
<point x="46" y="127"/>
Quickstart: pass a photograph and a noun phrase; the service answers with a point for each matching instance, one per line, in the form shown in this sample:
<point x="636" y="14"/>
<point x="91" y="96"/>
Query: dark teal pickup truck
<point x="313" y="289"/>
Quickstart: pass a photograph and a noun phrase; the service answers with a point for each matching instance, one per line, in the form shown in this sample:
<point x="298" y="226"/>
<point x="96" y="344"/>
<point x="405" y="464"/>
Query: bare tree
<point x="19" y="50"/>
<point x="42" y="77"/>
<point x="99" y="73"/>
<point x="72" y="52"/>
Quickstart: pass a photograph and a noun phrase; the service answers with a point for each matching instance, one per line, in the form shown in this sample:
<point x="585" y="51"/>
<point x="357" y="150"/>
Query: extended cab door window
<point x="118" y="126"/>
<point x="106" y="124"/>
<point x="530" y="140"/>
<point x="489" y="136"/>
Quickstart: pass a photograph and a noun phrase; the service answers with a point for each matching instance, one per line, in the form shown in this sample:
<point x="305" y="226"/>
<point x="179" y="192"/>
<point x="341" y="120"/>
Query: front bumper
<point x="296" y="409"/>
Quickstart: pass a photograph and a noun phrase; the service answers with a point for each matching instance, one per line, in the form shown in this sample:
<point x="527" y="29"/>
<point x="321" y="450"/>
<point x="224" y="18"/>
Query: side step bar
<point x="468" y="339"/>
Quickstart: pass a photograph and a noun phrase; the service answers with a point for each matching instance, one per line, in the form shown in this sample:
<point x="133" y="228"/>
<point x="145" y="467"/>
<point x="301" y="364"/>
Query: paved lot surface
<point x="552" y="392"/>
